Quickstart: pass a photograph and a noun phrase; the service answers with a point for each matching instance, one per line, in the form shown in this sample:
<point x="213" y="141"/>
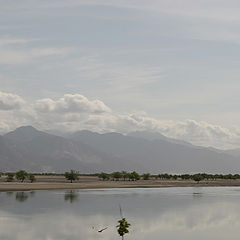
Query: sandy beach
<point x="91" y="182"/>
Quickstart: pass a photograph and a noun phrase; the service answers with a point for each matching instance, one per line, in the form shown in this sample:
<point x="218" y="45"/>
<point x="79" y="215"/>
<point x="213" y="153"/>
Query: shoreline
<point x="59" y="183"/>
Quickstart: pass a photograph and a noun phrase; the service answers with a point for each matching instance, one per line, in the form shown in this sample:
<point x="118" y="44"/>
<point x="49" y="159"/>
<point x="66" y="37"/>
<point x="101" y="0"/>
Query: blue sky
<point x="169" y="66"/>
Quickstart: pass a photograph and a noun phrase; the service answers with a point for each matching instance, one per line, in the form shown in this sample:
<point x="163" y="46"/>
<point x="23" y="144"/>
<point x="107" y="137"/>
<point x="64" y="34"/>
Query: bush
<point x="10" y="177"/>
<point x="146" y="176"/>
<point x="197" y="177"/>
<point x="134" y="176"/>
<point x="32" y="178"/>
<point x="116" y="175"/>
<point x="104" y="176"/>
<point x="21" y="175"/>
<point x="72" y="175"/>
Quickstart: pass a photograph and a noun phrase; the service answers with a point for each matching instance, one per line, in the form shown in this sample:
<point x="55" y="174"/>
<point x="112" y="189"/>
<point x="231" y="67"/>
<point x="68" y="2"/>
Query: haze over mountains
<point x="90" y="152"/>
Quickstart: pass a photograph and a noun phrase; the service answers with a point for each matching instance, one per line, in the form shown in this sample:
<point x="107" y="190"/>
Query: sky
<point x="170" y="66"/>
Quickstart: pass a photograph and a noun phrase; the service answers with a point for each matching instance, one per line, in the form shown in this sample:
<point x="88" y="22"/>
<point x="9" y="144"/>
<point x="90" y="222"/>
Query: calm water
<point x="170" y="213"/>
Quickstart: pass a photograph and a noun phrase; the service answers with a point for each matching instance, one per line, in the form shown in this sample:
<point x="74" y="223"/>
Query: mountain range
<point x="89" y="152"/>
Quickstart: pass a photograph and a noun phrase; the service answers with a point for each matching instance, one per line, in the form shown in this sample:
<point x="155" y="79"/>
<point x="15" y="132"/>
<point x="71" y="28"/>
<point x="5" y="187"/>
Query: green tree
<point x="21" y="175"/>
<point x="128" y="176"/>
<point x="236" y="176"/>
<point x="72" y="175"/>
<point x="10" y="177"/>
<point x="197" y="177"/>
<point x="146" y="176"/>
<point x="104" y="176"/>
<point x="117" y="175"/>
<point x="175" y="177"/>
<point x="32" y="178"/>
<point x="124" y="175"/>
<point x="185" y="176"/>
<point x="134" y="176"/>
<point x="123" y="226"/>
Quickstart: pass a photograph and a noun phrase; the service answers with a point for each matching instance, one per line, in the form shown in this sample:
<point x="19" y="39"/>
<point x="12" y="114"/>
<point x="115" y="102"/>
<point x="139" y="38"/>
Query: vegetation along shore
<point x="23" y="181"/>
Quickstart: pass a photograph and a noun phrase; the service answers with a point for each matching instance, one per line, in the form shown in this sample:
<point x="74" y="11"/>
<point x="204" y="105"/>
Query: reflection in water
<point x="23" y="196"/>
<point x="71" y="196"/>
<point x="153" y="213"/>
<point x="197" y="195"/>
<point x="9" y="194"/>
<point x="32" y="193"/>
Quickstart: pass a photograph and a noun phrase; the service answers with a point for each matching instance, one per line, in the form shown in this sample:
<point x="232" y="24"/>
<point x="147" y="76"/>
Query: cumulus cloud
<point x="71" y="103"/>
<point x="201" y="133"/>
<point x="9" y="101"/>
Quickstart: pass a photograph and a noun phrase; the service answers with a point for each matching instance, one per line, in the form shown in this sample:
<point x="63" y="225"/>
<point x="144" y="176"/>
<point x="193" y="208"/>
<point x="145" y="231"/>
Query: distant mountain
<point x="160" y="155"/>
<point x="89" y="152"/>
<point x="11" y="155"/>
<point x="25" y="134"/>
<point x="233" y="152"/>
<point x="158" y="136"/>
<point x="34" y="150"/>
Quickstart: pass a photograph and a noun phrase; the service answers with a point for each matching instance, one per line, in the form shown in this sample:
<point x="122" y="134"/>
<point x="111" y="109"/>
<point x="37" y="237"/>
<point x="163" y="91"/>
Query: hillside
<point x="89" y="152"/>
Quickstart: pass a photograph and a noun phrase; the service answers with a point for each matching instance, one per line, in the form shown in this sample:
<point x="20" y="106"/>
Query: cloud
<point x="201" y="133"/>
<point x="4" y="127"/>
<point x="8" y="41"/>
<point x="71" y="103"/>
<point x="17" y="50"/>
<point x="20" y="56"/>
<point x="9" y="101"/>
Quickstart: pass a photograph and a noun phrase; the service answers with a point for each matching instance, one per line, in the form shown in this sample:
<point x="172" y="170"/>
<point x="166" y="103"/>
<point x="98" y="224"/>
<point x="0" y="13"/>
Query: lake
<point x="155" y="214"/>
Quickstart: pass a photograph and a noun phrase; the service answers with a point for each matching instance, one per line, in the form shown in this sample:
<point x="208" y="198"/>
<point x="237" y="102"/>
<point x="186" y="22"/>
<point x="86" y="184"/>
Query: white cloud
<point x="71" y="103"/>
<point x="9" y="40"/>
<point x="4" y="127"/>
<point x="201" y="133"/>
<point x="20" y="56"/>
<point x="17" y="51"/>
<point x="9" y="101"/>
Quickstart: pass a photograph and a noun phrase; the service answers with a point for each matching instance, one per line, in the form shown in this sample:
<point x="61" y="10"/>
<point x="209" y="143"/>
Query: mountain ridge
<point x="92" y="152"/>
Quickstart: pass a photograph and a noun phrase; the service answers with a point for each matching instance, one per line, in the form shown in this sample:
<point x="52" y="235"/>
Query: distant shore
<point x="91" y="182"/>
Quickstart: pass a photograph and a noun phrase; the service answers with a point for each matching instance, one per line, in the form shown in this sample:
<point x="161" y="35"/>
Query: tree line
<point x="198" y="176"/>
<point x="20" y="176"/>
<point x="133" y="176"/>
<point x="117" y="176"/>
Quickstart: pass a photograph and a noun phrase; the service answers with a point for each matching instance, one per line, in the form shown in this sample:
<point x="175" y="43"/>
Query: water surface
<point x="154" y="214"/>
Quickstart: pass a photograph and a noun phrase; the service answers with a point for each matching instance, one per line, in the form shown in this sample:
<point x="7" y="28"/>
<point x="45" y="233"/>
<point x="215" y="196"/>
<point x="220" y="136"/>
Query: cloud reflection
<point x="209" y="219"/>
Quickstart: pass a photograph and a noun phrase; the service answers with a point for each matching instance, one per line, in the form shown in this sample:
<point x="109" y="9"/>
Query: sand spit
<point x="59" y="182"/>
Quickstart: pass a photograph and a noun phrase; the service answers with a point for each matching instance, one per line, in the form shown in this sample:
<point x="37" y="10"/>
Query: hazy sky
<point x="123" y="65"/>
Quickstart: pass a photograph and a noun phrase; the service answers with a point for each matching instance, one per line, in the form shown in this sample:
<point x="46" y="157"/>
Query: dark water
<point x="169" y="213"/>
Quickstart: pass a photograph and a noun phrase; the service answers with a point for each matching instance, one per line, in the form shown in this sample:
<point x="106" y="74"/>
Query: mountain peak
<point x="24" y="134"/>
<point x="26" y="128"/>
